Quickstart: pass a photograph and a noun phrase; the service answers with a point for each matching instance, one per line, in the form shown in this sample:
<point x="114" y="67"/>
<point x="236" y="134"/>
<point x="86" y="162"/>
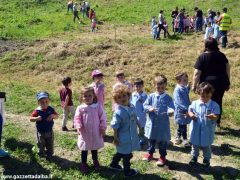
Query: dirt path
<point x="223" y="164"/>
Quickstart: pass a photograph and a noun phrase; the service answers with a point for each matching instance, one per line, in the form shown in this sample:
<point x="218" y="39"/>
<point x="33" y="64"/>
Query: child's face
<point x="122" y="99"/>
<point x="43" y="103"/>
<point x="98" y="79"/>
<point x="160" y="88"/>
<point x="88" y="97"/>
<point x="205" y="97"/>
<point x="183" y="81"/>
<point x="121" y="78"/>
<point x="139" y="87"/>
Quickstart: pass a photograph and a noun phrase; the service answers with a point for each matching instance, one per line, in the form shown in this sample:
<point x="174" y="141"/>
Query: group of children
<point x="84" y="8"/>
<point x="136" y="116"/>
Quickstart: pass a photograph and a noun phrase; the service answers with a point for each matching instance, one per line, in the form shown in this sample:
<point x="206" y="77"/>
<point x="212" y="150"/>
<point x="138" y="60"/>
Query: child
<point x="216" y="32"/>
<point x="181" y="103"/>
<point x="43" y="116"/>
<point x="124" y="124"/>
<point x="208" y="31"/>
<point x="90" y="122"/>
<point x="187" y="23"/>
<point x="98" y="86"/>
<point x="204" y="112"/>
<point x="176" y="24"/>
<point x="165" y="25"/>
<point x="120" y="78"/>
<point x="154" y="28"/>
<point x="138" y="98"/>
<point x="159" y="106"/>
<point x="94" y="23"/>
<point x="66" y="101"/>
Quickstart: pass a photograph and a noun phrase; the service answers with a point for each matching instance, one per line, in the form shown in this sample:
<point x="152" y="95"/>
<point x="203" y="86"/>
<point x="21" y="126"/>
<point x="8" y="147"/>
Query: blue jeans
<point x="180" y="28"/>
<point x="162" y="147"/>
<point x="224" y="38"/>
<point x="1" y="126"/>
<point x="198" y="26"/>
<point x="207" y="152"/>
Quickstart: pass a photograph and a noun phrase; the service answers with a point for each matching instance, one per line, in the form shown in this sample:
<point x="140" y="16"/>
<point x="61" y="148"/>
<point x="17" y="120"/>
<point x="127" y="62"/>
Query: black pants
<point x="1" y="125"/>
<point x="85" y="153"/>
<point x="75" y="15"/>
<point x="217" y="97"/>
<point x="160" y="27"/>
<point x="182" y="131"/>
<point x="45" y="140"/>
<point x="126" y="161"/>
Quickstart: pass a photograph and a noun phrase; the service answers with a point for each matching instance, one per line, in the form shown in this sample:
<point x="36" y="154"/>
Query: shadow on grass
<point x="64" y="164"/>
<point x="228" y="131"/>
<point x="217" y="172"/>
<point x="175" y="37"/>
<point x="15" y="166"/>
<point x="225" y="150"/>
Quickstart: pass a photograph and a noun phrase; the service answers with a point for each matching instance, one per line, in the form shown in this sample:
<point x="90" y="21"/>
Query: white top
<point x="160" y="18"/>
<point x="2" y="109"/>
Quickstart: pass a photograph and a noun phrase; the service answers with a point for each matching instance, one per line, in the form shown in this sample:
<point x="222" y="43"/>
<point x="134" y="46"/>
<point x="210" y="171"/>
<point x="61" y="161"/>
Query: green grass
<point x="29" y="19"/>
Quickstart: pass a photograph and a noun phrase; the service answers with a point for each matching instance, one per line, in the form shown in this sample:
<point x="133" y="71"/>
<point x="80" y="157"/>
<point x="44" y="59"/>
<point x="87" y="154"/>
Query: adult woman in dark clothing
<point x="212" y="66"/>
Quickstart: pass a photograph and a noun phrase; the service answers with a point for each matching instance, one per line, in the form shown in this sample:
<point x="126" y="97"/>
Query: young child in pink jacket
<point x="98" y="86"/>
<point x="90" y="122"/>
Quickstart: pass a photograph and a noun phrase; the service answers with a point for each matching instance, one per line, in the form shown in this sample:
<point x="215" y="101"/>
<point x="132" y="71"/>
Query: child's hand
<point x="78" y="130"/>
<point x="152" y="109"/>
<point x="192" y="116"/>
<point x="102" y="132"/>
<point x="50" y="117"/>
<point x="212" y="116"/>
<point x="116" y="141"/>
<point x="39" y="118"/>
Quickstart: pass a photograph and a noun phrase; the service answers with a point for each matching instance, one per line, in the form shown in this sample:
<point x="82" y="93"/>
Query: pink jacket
<point x="90" y="119"/>
<point x="100" y="92"/>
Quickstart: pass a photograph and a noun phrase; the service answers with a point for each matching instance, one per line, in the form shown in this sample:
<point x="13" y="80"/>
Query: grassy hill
<point x="44" y="45"/>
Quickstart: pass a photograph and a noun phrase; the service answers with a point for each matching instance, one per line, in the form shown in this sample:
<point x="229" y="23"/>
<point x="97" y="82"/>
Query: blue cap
<point x="41" y="95"/>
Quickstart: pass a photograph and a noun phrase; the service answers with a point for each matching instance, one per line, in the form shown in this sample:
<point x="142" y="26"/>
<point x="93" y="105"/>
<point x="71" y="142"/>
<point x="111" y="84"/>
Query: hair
<point x="225" y="10"/>
<point x="205" y="87"/>
<point x="138" y="81"/>
<point x="179" y="76"/>
<point x="119" y="90"/>
<point x="66" y="81"/>
<point x="209" y="23"/>
<point x="196" y="8"/>
<point x="218" y="13"/>
<point x="88" y="89"/>
<point x="161" y="11"/>
<point x="161" y="79"/>
<point x="211" y="44"/>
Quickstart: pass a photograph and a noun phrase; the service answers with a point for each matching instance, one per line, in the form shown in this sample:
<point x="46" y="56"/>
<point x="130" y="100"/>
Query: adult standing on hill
<point x="174" y="15"/>
<point x="161" y="20"/>
<point x="224" y="21"/>
<point x="212" y="66"/>
<point x="199" y="19"/>
<point x="69" y="6"/>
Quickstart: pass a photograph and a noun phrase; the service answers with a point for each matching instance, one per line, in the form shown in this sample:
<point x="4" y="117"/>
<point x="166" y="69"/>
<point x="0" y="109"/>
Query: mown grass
<point x="29" y="19"/>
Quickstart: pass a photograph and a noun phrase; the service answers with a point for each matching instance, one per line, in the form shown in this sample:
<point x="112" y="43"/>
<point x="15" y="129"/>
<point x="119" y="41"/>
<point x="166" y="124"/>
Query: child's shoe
<point x="116" y="167"/>
<point x="64" y="128"/>
<point x="147" y="157"/>
<point x="3" y="153"/>
<point x="186" y="143"/>
<point x="206" y="163"/>
<point x="131" y="173"/>
<point x="83" y="167"/>
<point x="161" y="161"/>
<point x="193" y="161"/>
<point x="178" y="140"/>
<point x="96" y="165"/>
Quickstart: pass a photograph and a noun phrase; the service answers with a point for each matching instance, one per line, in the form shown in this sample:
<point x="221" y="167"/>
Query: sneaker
<point x="83" y="167"/>
<point x="178" y="141"/>
<point x="147" y="157"/>
<point x="131" y="173"/>
<point x="3" y="153"/>
<point x="96" y="165"/>
<point x="49" y="158"/>
<point x="161" y="161"/>
<point x="206" y="164"/>
<point x="141" y="142"/>
<point x="116" y="167"/>
<point x="40" y="154"/>
<point x="64" y="128"/>
<point x="186" y="143"/>
<point x="73" y="126"/>
<point x="193" y="161"/>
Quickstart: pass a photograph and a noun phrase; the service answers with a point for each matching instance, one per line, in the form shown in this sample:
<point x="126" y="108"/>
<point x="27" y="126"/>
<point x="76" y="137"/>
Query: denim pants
<point x="1" y="126"/>
<point x="45" y="140"/>
<point x="198" y="26"/>
<point x="206" y="152"/>
<point x="126" y="161"/>
<point x="161" y="145"/>
<point x="181" y="26"/>
<point x="224" y="38"/>
<point x="85" y="153"/>
<point x="182" y="131"/>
